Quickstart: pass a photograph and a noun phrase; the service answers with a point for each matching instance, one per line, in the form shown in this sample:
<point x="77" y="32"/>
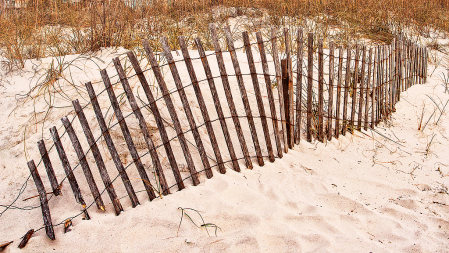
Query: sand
<point x="359" y="193"/>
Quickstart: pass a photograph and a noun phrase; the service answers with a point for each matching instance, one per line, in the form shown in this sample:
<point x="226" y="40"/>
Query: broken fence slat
<point x="26" y="238"/>
<point x="43" y="200"/>
<point x="111" y="147"/>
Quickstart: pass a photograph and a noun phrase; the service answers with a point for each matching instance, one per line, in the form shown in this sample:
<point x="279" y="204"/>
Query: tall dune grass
<point x="43" y="28"/>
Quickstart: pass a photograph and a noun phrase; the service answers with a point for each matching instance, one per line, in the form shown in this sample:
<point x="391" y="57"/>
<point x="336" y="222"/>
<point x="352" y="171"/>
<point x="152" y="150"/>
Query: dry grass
<point x="54" y="27"/>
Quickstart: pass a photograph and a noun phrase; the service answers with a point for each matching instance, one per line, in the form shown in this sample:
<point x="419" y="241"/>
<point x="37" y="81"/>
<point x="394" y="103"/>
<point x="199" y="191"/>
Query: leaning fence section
<point x="317" y="91"/>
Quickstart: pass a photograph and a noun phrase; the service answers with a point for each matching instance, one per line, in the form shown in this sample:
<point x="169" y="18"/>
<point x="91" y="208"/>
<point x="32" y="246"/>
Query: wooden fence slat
<point x="299" y="58"/>
<point x="186" y="106"/>
<point x="331" y="91"/>
<point x="98" y="158"/>
<point x="113" y="151"/>
<point x="266" y="73"/>
<point x="382" y="83"/>
<point x="361" y="90"/>
<point x="286" y="91"/>
<point x="354" y="87"/>
<point x="128" y="139"/>
<point x="374" y="91"/>
<point x="291" y="116"/>
<point x="278" y="71"/>
<point x="339" y="83"/>
<point x="368" y="88"/>
<point x="229" y="99"/>
<point x="25" y="239"/>
<point x="309" y="85"/>
<point x="203" y="109"/>
<point x="217" y="104"/>
<point x="49" y="168"/>
<point x="68" y="170"/>
<point x="346" y="93"/>
<point x="238" y="73"/>
<point x="174" y="116"/>
<point x="83" y="162"/>
<point x="254" y="78"/>
<point x="43" y="200"/>
<point x="320" y="91"/>
<point x="160" y="125"/>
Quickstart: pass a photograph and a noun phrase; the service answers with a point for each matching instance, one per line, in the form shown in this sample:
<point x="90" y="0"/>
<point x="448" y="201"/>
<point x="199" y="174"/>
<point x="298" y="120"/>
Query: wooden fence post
<point x="361" y="91"/>
<point x="299" y="57"/>
<point x="309" y="85"/>
<point x="346" y="93"/>
<point x="286" y="92"/>
<point x="339" y="84"/>
<point x="331" y="91"/>
<point x="320" y="91"/>
<point x="291" y="112"/>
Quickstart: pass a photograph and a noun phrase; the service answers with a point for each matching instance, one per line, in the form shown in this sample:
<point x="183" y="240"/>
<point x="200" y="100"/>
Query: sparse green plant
<point x="203" y="225"/>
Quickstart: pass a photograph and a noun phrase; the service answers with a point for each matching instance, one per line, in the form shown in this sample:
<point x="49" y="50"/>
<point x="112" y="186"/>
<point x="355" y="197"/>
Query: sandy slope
<point x="361" y="193"/>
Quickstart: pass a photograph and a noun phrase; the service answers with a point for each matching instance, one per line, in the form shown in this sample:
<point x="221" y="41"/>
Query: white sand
<point x="360" y="193"/>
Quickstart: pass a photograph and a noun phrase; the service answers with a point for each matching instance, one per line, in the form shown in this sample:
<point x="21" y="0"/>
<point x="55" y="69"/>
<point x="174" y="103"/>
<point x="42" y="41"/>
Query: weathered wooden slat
<point x="339" y="84"/>
<point x="331" y="91"/>
<point x="299" y="57"/>
<point x="320" y="91"/>
<point x="98" y="158"/>
<point x="229" y="99"/>
<point x="286" y="92"/>
<point x="346" y="93"/>
<point x="172" y="111"/>
<point x="43" y="200"/>
<point x="368" y="88"/>
<point x="241" y="84"/>
<point x="186" y="106"/>
<point x="309" y="85"/>
<point x="160" y="125"/>
<point x="266" y="73"/>
<point x="254" y="78"/>
<point x="68" y="170"/>
<point x="354" y="87"/>
<point x="49" y="168"/>
<point x="361" y="90"/>
<point x="113" y="151"/>
<point x="203" y="109"/>
<point x="291" y="112"/>
<point x="278" y="71"/>
<point x="217" y="104"/>
<point x="83" y="162"/>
